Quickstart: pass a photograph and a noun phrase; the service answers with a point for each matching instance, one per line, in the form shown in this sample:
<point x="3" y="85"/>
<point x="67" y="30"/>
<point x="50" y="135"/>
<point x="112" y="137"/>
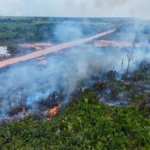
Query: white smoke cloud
<point x="76" y="8"/>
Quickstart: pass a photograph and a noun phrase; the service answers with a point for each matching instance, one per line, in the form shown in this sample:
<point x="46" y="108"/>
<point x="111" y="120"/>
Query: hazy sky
<point x="76" y="8"/>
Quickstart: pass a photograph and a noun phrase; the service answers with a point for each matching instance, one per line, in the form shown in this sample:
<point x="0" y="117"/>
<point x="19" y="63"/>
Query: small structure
<point x="4" y="52"/>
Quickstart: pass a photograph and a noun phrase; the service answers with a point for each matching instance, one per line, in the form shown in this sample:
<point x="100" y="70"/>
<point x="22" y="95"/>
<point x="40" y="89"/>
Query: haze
<point x="76" y="8"/>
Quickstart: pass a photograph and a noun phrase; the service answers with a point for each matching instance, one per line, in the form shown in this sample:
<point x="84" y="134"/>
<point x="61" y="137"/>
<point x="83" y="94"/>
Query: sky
<point x="76" y="8"/>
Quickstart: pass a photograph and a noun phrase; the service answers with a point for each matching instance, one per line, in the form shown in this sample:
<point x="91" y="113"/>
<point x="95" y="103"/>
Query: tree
<point x="129" y="58"/>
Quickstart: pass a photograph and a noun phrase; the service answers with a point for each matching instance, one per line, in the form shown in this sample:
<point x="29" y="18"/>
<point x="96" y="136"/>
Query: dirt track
<point x="50" y="49"/>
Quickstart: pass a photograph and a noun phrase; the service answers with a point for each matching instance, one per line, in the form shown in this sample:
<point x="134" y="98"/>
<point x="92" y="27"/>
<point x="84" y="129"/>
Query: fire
<point x="49" y="118"/>
<point x="53" y="111"/>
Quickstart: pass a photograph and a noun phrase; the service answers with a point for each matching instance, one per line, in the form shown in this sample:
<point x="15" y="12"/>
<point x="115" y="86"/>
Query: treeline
<point x="61" y="19"/>
<point x="25" y="32"/>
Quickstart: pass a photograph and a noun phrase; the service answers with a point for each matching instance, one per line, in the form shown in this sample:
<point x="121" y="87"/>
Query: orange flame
<point x="49" y="118"/>
<point x="53" y="111"/>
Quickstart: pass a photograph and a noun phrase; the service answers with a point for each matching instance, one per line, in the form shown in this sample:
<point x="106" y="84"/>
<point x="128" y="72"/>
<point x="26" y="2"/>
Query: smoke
<point x="68" y="71"/>
<point x="67" y="32"/>
<point x="76" y="8"/>
<point x="31" y="82"/>
<point x="74" y="70"/>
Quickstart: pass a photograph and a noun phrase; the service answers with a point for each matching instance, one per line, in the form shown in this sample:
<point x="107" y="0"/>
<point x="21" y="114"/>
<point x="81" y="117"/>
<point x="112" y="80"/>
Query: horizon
<point x="110" y="18"/>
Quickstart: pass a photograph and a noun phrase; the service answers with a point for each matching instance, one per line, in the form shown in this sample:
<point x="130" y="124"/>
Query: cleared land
<point x="51" y="49"/>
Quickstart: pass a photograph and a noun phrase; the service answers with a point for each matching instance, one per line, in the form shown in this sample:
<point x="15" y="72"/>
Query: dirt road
<point x="50" y="49"/>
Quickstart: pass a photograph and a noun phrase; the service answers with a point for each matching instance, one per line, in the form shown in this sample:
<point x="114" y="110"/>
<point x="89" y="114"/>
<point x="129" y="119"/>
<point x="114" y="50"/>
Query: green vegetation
<point x="83" y="124"/>
<point x="17" y="32"/>
<point x="32" y="29"/>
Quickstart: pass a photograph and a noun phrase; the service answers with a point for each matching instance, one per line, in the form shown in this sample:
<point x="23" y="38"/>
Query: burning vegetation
<point x="67" y="77"/>
<point x="53" y="111"/>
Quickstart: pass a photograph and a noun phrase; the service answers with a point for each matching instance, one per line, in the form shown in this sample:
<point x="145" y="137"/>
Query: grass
<point x="82" y="124"/>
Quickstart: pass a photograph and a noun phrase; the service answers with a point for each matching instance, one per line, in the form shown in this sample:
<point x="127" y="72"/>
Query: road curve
<point x="50" y="49"/>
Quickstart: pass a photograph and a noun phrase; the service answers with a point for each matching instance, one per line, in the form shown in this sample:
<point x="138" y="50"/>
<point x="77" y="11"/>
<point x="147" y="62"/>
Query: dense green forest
<point x="25" y="31"/>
